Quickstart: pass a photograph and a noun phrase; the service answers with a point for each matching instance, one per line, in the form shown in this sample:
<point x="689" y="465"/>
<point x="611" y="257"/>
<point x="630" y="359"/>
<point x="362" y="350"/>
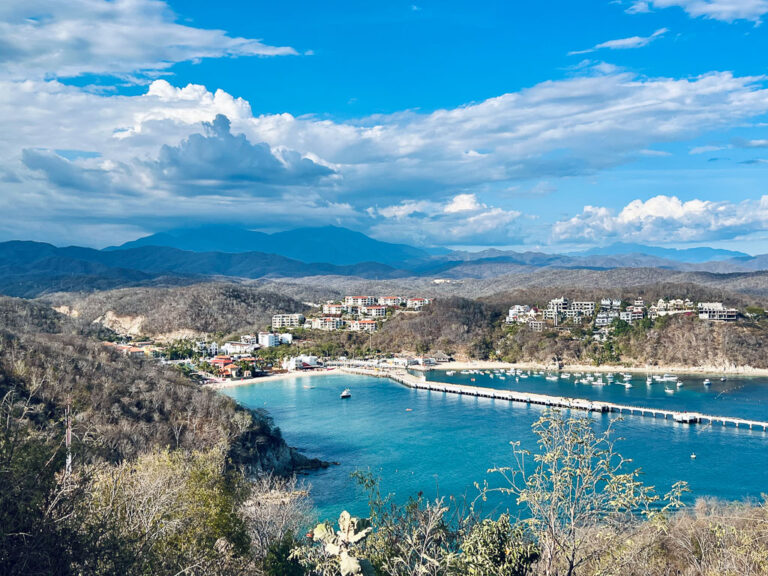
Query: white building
<point x="327" y="323"/>
<point x="585" y="308"/>
<point x="717" y="311"/>
<point x="605" y="317"/>
<point x="390" y="300"/>
<point x="238" y="348"/>
<point x="363" y="325"/>
<point x="285" y="338"/>
<point x="287" y="321"/>
<point x="359" y="301"/>
<point x="417" y="303"/>
<point x="268" y="339"/>
<point x="518" y="314"/>
<point x="301" y="363"/>
<point x="333" y="308"/>
<point x="375" y="311"/>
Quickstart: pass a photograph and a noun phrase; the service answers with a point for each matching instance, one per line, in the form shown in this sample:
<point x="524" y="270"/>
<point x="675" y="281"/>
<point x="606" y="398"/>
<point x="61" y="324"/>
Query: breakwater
<point x="420" y="383"/>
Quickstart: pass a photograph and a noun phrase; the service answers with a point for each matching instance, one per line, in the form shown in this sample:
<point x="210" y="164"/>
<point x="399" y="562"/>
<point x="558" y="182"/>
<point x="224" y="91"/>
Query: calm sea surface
<point x="443" y="443"/>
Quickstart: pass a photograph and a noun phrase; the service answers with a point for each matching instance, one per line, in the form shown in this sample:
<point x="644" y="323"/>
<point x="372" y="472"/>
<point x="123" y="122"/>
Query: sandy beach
<point x="271" y="378"/>
<point x="492" y="365"/>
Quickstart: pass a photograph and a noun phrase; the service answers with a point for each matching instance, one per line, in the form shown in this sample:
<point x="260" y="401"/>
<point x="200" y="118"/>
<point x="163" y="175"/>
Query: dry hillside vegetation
<point x="200" y="309"/>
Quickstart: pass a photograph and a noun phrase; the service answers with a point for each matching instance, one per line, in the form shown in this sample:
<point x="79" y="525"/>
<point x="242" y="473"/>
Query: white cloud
<point x="55" y="38"/>
<point x="706" y="149"/>
<point x="459" y="219"/>
<point x="463" y="203"/>
<point x="725" y="10"/>
<point x="666" y="217"/>
<point x="555" y="129"/>
<point x="624" y="43"/>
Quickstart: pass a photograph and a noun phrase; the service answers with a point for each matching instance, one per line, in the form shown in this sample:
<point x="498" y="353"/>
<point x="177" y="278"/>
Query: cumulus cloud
<point x="665" y="217"/>
<point x="223" y="160"/>
<point x="409" y="162"/>
<point x="624" y="43"/>
<point x="45" y="38"/>
<point x="461" y="219"/>
<point x="725" y="10"/>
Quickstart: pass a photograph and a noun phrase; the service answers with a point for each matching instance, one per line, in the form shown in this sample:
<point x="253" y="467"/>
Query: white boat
<point x="346" y="394"/>
<point x="450" y="373"/>
<point x="627" y="385"/>
<point x="679" y="383"/>
<point x="707" y="382"/>
<point x="552" y="378"/>
<point x="669" y="390"/>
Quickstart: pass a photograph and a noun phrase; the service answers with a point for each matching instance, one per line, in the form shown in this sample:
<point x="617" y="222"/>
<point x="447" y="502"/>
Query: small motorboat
<point x="346" y="394"/>
<point x="669" y="390"/>
<point x="693" y="455"/>
<point x="707" y="382"/>
<point x="723" y="379"/>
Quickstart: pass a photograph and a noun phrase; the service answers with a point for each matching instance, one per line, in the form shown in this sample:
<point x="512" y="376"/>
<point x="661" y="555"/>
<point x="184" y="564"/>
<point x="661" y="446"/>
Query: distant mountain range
<point x="326" y="244"/>
<point x="195" y="254"/>
<point x="702" y="254"/>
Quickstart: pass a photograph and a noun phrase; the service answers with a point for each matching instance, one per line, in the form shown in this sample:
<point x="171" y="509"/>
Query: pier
<point x="420" y="383"/>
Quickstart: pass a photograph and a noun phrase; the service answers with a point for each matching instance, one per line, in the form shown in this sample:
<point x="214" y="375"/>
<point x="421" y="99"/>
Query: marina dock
<point x="420" y="383"/>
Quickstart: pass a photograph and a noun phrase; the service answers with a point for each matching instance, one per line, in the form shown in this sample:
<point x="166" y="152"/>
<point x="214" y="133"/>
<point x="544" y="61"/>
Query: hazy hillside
<point x="197" y="309"/>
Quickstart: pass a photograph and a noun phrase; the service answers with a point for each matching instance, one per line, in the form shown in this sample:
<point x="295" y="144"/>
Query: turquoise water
<point x="443" y="443"/>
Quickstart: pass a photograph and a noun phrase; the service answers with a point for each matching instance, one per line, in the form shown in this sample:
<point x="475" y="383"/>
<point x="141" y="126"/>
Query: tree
<point x="498" y="548"/>
<point x="579" y="497"/>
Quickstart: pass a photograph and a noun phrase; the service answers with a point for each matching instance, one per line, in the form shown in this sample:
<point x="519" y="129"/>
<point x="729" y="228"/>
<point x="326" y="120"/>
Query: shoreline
<point x="744" y="371"/>
<point x="270" y="378"/>
<point x="698" y="370"/>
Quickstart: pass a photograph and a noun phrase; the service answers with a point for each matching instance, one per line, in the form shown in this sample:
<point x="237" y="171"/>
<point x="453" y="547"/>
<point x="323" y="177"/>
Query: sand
<point x="270" y="378"/>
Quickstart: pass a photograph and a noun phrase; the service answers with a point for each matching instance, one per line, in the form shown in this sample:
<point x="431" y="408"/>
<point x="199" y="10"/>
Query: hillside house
<point x="359" y="301"/>
<point x="390" y="301"/>
<point x="327" y="323"/>
<point x="287" y="321"/>
<point x="417" y="303"/>
<point x="717" y="311"/>
<point x="363" y="325"/>
<point x="377" y="311"/>
<point x="333" y="308"/>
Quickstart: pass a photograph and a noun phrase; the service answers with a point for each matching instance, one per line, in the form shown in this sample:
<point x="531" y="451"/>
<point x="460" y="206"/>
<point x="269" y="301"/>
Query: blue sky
<point x="549" y="125"/>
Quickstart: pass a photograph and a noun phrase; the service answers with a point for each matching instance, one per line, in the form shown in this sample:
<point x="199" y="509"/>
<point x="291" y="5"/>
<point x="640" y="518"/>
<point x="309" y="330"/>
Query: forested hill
<point x="122" y="407"/>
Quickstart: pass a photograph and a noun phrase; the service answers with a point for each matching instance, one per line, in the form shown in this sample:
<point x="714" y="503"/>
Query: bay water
<point x="441" y="444"/>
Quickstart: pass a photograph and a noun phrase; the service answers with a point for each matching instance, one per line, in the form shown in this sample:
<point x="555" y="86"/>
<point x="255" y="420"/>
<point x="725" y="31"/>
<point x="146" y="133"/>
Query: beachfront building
<point x="238" y="348"/>
<point x="302" y="362"/>
<point x="287" y="321"/>
<point x="717" y="311"/>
